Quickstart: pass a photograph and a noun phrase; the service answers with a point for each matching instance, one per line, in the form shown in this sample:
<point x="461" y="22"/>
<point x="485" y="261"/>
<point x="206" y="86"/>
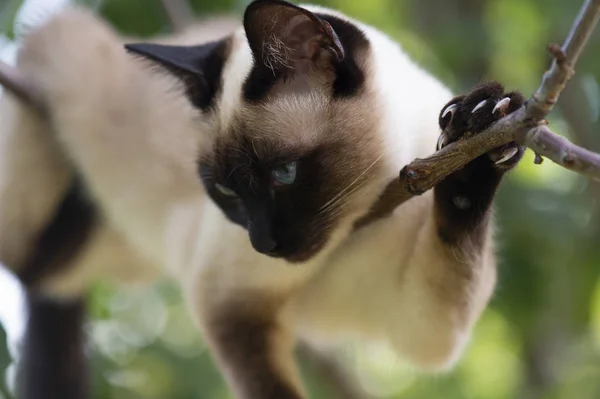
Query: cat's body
<point x="155" y="164"/>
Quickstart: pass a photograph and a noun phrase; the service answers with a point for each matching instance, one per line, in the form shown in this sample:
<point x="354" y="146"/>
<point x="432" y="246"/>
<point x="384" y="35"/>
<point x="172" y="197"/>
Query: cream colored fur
<point x="135" y="138"/>
<point x="32" y="181"/>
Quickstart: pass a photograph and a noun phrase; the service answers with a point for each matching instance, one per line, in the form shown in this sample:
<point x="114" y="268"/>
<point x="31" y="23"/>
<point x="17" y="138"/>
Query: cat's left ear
<point x="288" y="38"/>
<point x="199" y="66"/>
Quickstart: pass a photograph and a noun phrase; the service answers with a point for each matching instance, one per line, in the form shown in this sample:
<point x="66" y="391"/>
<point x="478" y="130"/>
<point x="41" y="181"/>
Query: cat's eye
<point x="285" y="174"/>
<point x="225" y="191"/>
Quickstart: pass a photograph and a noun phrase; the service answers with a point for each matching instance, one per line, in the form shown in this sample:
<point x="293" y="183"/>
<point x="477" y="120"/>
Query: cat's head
<point x="295" y="154"/>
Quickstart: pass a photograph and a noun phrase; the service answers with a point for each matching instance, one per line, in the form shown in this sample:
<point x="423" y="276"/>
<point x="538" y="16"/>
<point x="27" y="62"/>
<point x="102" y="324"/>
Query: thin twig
<point x="526" y="126"/>
<point x="180" y="13"/>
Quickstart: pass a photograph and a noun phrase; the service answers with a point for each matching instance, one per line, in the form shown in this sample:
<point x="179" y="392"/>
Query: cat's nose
<point x="265" y="245"/>
<point x="261" y="238"/>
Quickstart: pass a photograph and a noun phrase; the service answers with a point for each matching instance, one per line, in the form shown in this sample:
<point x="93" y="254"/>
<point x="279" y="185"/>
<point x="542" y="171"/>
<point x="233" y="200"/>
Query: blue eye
<point x="285" y="174"/>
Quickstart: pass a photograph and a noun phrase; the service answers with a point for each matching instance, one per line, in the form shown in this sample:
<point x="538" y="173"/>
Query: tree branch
<point x="527" y="126"/>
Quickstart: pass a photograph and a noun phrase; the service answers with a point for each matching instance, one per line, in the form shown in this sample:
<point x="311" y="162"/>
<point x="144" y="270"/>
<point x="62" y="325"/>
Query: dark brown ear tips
<point x="291" y="43"/>
<point x="198" y="66"/>
<point x="336" y="46"/>
<point x="282" y="34"/>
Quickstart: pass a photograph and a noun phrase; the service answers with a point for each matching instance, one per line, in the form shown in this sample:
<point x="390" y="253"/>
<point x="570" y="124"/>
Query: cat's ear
<point x="289" y="39"/>
<point x="199" y="66"/>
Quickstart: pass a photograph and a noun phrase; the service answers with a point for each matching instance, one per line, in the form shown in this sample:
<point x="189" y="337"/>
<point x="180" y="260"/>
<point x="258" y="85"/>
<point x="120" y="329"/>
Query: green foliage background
<point x="541" y="336"/>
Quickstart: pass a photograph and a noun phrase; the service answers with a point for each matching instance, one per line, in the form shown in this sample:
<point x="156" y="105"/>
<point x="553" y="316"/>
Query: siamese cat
<point x="240" y="167"/>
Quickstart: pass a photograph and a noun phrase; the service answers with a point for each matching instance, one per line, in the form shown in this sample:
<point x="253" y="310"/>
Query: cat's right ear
<point x="199" y="67"/>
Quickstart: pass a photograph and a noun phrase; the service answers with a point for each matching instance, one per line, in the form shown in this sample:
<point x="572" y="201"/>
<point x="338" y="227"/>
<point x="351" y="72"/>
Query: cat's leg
<point x="128" y="129"/>
<point x="43" y="224"/>
<point x="34" y="178"/>
<point x="54" y="362"/>
<point x="451" y="275"/>
<point x="51" y="234"/>
<point x="463" y="200"/>
<point x="53" y="239"/>
<point x="420" y="278"/>
<point x="252" y="347"/>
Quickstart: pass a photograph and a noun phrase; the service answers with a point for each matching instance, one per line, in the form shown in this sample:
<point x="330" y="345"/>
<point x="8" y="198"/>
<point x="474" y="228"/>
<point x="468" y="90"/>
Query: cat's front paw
<point x="476" y="111"/>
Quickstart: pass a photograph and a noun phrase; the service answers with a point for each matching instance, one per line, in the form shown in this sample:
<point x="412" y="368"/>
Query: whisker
<point x="335" y="212"/>
<point x="340" y="202"/>
<point x="339" y="196"/>
<point x="246" y="154"/>
<point x="233" y="170"/>
<point x="254" y="147"/>
<point x="209" y="161"/>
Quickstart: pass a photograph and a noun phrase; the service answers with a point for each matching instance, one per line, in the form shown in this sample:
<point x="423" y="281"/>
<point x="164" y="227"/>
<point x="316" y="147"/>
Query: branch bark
<point x="527" y="125"/>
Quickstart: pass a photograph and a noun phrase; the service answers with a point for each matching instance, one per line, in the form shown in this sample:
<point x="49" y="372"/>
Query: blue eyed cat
<point x="239" y="167"/>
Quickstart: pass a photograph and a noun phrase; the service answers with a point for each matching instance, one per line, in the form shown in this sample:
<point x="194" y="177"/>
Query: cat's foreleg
<point x="452" y="272"/>
<point x="252" y="347"/>
<point x="52" y="233"/>
<point x="34" y="178"/>
<point x="43" y="225"/>
<point x="53" y="239"/>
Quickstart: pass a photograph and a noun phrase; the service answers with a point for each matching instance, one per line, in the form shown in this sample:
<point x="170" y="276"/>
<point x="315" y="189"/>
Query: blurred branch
<point x="584" y="131"/>
<point x="180" y="13"/>
<point x="527" y="126"/>
<point x="573" y="109"/>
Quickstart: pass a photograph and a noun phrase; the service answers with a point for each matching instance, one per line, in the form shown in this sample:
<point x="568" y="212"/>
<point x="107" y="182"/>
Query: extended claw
<point x="506" y="155"/>
<point x="442" y="141"/>
<point x="451" y="109"/>
<point x="480" y="105"/>
<point x="502" y="105"/>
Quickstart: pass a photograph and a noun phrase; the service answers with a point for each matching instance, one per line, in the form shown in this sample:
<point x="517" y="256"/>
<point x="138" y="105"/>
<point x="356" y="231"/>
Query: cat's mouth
<point x="295" y="255"/>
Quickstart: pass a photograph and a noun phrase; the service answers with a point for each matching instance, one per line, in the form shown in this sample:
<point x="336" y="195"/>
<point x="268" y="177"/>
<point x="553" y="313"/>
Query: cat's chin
<point x="289" y="249"/>
<point x="297" y="257"/>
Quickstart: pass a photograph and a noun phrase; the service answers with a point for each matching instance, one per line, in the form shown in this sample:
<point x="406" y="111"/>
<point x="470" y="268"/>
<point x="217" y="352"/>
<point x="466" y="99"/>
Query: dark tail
<point x="53" y="365"/>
